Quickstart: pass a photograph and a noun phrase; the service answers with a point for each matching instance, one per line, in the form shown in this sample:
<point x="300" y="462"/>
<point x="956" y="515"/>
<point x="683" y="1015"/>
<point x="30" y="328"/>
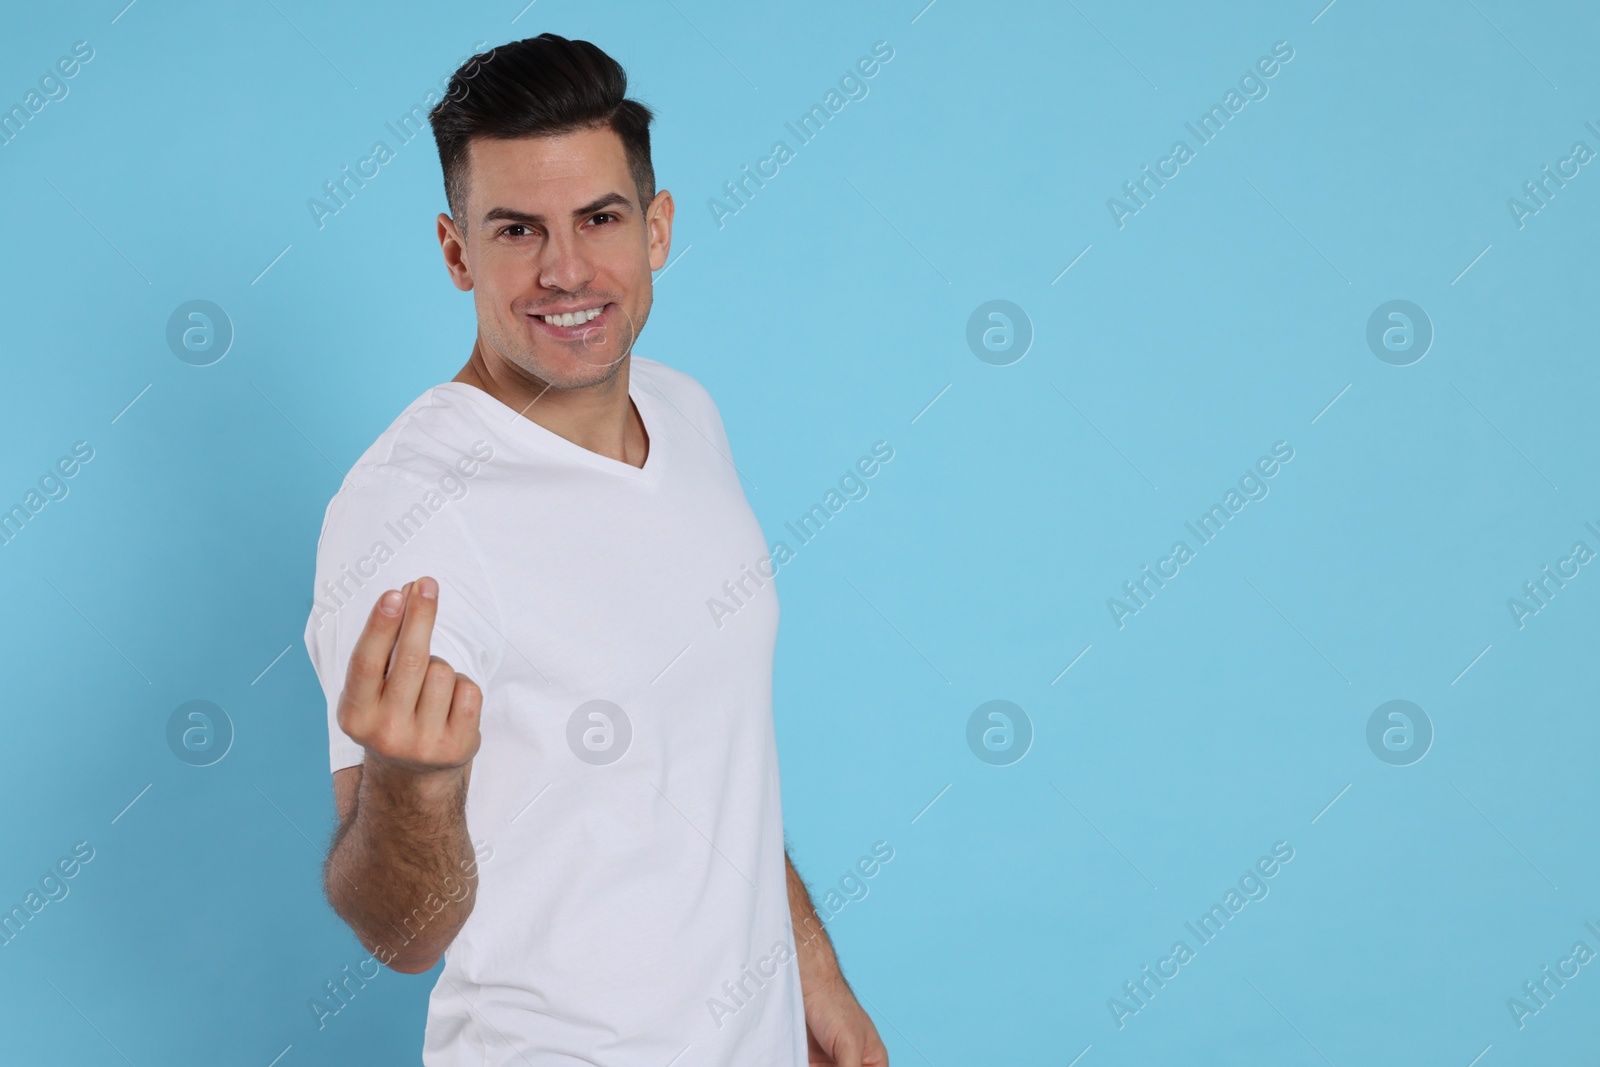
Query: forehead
<point x="535" y="172"/>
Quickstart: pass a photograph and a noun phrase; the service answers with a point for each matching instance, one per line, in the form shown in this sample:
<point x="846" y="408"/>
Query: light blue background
<point x="826" y="315"/>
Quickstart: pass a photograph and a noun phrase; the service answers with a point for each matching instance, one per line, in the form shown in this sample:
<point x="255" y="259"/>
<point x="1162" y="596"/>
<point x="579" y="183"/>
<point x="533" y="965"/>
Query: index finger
<point x="411" y="649"/>
<point x="369" y="660"/>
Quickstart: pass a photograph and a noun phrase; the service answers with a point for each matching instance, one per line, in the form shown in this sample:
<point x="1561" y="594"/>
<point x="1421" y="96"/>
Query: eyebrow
<point x="513" y="215"/>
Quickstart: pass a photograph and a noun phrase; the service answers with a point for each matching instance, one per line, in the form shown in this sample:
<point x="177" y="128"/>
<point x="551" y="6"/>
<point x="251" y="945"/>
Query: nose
<point x="563" y="264"/>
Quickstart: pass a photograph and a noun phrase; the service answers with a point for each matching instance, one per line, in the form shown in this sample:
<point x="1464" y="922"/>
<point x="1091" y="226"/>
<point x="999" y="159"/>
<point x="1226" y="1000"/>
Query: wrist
<point x="822" y="980"/>
<point x="403" y="785"/>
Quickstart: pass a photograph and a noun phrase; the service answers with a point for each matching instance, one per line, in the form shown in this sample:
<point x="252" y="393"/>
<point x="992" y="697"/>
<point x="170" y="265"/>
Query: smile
<point x="573" y="318"/>
<point x="574" y="325"/>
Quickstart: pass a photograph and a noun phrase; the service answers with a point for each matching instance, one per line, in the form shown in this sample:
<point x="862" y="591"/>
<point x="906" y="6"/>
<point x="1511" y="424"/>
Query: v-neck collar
<point x="523" y="428"/>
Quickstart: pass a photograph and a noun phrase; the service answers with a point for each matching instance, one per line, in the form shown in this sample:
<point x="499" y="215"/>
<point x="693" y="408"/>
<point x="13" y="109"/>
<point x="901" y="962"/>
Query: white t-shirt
<point x="632" y="905"/>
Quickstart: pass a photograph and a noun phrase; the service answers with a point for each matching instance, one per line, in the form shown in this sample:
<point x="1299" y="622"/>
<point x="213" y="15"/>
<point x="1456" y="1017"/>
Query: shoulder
<point x="439" y="437"/>
<point x="427" y="454"/>
<point x="680" y="389"/>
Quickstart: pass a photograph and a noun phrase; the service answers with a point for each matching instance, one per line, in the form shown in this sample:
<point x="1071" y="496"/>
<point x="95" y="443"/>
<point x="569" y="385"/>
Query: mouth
<point x="574" y="325"/>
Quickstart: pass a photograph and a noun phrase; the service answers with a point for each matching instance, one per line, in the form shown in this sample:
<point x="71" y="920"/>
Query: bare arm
<point x="818" y="965"/>
<point x="401" y="871"/>
<point x="838" y="1031"/>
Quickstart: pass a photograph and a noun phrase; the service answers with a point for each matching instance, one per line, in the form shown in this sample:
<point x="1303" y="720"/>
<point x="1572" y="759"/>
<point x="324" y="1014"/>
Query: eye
<point x="605" y="215"/>
<point x="506" y="231"/>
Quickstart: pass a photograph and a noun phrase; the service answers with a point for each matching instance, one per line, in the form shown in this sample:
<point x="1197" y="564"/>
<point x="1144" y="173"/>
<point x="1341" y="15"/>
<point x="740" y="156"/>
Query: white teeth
<point x="575" y="318"/>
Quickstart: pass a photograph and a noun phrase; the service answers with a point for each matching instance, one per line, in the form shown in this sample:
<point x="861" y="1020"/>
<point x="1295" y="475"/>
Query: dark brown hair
<point x="540" y="86"/>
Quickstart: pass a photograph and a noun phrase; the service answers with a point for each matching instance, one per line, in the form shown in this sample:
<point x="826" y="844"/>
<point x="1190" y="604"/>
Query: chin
<point x="572" y="372"/>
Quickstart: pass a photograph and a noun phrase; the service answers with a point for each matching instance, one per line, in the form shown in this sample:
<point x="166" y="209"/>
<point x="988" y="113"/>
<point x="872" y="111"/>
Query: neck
<point x="599" y="417"/>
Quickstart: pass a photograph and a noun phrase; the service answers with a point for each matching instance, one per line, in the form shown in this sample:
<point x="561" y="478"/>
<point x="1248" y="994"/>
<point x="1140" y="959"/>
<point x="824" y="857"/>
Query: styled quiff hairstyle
<point x="537" y="87"/>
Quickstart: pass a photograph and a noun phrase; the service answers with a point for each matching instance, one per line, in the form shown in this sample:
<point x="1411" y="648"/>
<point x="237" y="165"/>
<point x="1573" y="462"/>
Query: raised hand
<point x="406" y="707"/>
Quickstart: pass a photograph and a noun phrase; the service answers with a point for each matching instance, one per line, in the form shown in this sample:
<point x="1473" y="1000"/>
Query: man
<point x="511" y="632"/>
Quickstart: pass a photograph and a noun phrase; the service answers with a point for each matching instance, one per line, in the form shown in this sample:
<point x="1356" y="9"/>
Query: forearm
<point x="403" y="874"/>
<point x="819" y="966"/>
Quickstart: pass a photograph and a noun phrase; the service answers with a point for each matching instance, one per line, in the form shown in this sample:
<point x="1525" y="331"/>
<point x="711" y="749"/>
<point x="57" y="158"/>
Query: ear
<point x="454" y="247"/>
<point x="658" y="229"/>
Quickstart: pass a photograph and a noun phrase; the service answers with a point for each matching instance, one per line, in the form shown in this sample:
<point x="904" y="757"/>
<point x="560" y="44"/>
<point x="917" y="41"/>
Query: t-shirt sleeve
<point x="379" y="532"/>
<point x="702" y="410"/>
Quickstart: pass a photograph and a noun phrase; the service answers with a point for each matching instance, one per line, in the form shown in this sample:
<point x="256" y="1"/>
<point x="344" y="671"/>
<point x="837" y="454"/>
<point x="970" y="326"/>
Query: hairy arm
<point x="838" y="1031"/>
<point x="401" y="871"/>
